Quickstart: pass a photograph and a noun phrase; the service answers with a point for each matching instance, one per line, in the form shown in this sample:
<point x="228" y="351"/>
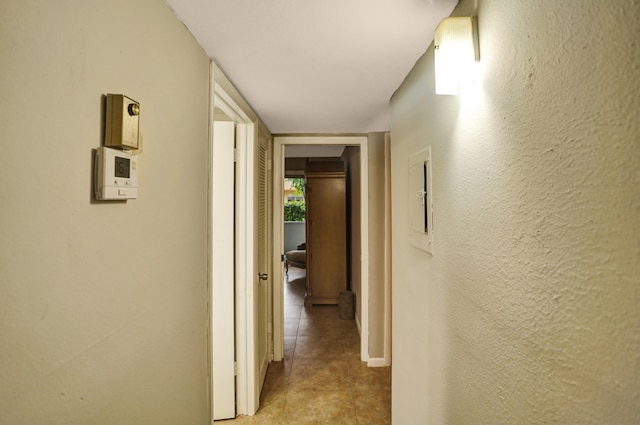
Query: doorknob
<point x="263" y="276"/>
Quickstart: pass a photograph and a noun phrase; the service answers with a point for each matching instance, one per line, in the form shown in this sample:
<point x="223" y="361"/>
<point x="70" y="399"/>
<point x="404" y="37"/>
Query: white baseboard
<point x="376" y="362"/>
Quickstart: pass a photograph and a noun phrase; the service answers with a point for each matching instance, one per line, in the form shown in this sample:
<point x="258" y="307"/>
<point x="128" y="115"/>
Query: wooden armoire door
<point x="326" y="232"/>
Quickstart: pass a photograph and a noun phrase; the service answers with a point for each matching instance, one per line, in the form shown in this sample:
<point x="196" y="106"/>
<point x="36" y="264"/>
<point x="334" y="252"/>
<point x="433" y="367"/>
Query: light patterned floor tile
<point x="321" y="380"/>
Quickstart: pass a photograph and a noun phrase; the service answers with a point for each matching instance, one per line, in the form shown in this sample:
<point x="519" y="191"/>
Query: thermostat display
<point x="122" y="167"/>
<point x="116" y="174"/>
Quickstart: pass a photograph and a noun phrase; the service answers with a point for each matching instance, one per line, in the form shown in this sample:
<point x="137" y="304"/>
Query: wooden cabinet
<point x="326" y="203"/>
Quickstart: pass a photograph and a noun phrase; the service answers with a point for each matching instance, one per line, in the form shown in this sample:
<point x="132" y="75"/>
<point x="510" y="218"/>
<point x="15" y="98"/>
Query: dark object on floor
<point x="346" y="305"/>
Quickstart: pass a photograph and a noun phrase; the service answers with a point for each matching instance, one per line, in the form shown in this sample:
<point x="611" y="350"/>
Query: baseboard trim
<point x="377" y="362"/>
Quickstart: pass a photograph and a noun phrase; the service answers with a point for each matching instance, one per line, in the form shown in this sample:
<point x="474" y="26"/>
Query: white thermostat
<point x="116" y="174"/>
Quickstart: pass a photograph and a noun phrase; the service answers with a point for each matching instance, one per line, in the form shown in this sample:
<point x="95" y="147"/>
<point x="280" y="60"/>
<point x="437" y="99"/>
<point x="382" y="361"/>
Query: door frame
<point x="227" y="101"/>
<point x="279" y="143"/>
<point x="221" y="273"/>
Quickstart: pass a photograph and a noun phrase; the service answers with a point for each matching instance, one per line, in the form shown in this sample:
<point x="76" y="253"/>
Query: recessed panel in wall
<point x="421" y="200"/>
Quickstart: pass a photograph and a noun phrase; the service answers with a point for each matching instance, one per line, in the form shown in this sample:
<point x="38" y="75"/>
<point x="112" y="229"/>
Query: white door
<point x="264" y="287"/>
<point x="241" y="346"/>
<point x="222" y="270"/>
<point x="252" y="280"/>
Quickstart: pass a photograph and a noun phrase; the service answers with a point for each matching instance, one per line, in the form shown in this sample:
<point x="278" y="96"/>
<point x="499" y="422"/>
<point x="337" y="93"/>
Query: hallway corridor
<point x="321" y="380"/>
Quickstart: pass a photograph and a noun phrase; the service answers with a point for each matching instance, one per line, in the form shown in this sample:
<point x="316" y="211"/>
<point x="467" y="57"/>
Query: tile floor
<point x="321" y="379"/>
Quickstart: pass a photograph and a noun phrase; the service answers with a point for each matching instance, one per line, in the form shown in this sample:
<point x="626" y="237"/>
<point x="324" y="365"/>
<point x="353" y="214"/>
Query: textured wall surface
<point x="103" y="306"/>
<point x="529" y="310"/>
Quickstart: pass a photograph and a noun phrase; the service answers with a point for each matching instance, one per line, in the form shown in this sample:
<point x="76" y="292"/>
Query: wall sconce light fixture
<point x="456" y="51"/>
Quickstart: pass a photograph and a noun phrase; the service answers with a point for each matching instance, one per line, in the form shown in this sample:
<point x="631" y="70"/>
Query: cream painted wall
<point x="103" y="306"/>
<point x="352" y="157"/>
<point x="528" y="311"/>
<point x="375" y="144"/>
<point x="376" y="193"/>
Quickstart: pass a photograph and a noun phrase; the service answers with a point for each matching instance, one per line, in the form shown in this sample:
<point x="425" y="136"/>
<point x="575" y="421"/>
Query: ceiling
<point x="315" y="66"/>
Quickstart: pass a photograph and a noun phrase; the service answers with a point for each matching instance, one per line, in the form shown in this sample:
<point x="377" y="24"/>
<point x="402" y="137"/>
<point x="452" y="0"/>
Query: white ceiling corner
<point x="315" y="67"/>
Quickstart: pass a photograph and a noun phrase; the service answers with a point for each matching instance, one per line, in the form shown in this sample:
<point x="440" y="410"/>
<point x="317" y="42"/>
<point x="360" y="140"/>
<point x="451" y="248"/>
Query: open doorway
<point x="319" y="193"/>
<point x="350" y="148"/>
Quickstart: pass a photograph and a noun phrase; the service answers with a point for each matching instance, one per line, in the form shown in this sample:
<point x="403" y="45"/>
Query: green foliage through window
<point x="298" y="183"/>
<point x="294" y="211"/>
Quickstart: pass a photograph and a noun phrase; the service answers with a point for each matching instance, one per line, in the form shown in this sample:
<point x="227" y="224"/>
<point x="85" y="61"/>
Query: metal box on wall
<point x="122" y="122"/>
